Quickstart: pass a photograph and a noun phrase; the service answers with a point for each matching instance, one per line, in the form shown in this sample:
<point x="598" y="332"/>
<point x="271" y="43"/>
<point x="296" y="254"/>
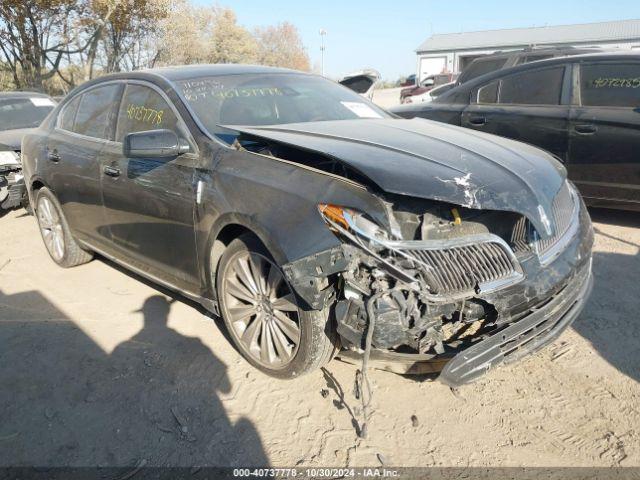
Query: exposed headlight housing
<point x="352" y="220"/>
<point x="450" y="268"/>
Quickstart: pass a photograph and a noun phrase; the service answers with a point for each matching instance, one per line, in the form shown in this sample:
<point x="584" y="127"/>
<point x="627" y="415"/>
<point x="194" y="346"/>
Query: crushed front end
<point x="12" y="187"/>
<point x="448" y="288"/>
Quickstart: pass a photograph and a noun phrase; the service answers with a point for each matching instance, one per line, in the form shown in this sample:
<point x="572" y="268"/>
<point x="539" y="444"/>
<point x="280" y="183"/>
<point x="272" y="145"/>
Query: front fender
<point x="278" y="202"/>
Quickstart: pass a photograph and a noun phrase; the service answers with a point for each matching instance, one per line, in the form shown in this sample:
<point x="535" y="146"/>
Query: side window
<point x="143" y="108"/>
<point x="480" y="67"/>
<point x="610" y="85"/>
<point x="488" y="94"/>
<point x="68" y="115"/>
<point x="94" y="117"/>
<point x="537" y="87"/>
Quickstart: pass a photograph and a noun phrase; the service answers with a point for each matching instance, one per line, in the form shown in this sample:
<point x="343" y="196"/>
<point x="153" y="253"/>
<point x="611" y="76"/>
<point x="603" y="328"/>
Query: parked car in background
<point x="306" y="216"/>
<point x="409" y="81"/>
<point x="20" y="112"/>
<point x="362" y="82"/>
<point x="584" y="109"/>
<point x="432" y="94"/>
<point x="500" y="60"/>
<point x="429" y="83"/>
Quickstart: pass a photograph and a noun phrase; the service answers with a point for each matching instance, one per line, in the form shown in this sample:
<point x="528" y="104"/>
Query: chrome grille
<point x="460" y="269"/>
<point x="563" y="208"/>
<point x="520" y="235"/>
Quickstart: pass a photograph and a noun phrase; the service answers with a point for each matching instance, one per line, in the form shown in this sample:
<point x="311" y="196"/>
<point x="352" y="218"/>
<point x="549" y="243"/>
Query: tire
<point x="254" y="296"/>
<point x="55" y="232"/>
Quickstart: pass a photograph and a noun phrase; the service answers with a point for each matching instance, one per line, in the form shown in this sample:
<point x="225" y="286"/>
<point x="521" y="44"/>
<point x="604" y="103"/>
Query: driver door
<point x="149" y="202"/>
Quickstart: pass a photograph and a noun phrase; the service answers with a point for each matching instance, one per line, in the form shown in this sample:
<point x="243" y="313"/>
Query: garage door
<point x="432" y="66"/>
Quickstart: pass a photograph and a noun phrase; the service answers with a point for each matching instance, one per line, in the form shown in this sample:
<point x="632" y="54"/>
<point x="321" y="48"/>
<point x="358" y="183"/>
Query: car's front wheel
<point x="263" y="315"/>
<point x="62" y="247"/>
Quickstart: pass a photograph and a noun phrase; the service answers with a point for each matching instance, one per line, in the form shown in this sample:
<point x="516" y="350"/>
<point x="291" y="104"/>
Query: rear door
<point x="530" y="106"/>
<point x="85" y="125"/>
<point x="150" y="202"/>
<point x="604" y="159"/>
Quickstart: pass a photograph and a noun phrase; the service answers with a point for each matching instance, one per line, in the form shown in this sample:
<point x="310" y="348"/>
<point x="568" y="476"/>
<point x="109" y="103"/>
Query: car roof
<point x="23" y="94"/>
<point x="183" y="72"/>
<point x="538" y="51"/>
<point x="165" y="76"/>
<point x="600" y="56"/>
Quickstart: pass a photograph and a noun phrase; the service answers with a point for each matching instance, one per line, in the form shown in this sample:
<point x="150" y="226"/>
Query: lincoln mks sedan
<point x="313" y="222"/>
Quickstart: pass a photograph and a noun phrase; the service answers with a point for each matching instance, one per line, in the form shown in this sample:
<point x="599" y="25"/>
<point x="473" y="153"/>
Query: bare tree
<point x="127" y="36"/>
<point x="57" y="44"/>
<point x="37" y="37"/>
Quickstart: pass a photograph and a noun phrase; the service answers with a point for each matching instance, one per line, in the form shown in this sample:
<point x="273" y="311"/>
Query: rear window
<point x="538" y="87"/>
<point x="23" y="112"/>
<point x="359" y="84"/>
<point x="95" y="113"/>
<point x="481" y="67"/>
<point x="610" y="85"/>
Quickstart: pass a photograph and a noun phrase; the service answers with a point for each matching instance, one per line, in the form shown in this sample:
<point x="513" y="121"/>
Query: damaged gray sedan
<point x="312" y="221"/>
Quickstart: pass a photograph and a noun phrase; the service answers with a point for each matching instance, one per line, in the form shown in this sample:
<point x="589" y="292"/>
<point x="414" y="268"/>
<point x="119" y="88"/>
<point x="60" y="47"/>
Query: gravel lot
<point x="98" y="367"/>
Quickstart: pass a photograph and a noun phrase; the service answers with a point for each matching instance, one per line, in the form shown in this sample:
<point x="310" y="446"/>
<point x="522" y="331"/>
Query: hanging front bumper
<point x="539" y="328"/>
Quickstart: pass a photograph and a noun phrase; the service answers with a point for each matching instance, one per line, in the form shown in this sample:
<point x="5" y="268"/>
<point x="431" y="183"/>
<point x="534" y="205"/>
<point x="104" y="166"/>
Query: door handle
<point x="111" y="171"/>
<point x="478" y="121"/>
<point x="53" y="156"/>
<point x="586" y="129"/>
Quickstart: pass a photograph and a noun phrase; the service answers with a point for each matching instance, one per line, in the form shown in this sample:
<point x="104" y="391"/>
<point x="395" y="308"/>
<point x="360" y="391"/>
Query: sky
<point x="384" y="34"/>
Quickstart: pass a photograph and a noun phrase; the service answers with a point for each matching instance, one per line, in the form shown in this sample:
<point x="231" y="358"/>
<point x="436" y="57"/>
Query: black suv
<point x="584" y="109"/>
<point x="501" y="60"/>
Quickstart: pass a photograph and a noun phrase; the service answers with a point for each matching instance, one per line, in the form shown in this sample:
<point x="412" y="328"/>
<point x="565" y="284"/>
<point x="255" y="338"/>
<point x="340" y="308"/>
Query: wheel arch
<point x="36" y="184"/>
<point x="224" y="231"/>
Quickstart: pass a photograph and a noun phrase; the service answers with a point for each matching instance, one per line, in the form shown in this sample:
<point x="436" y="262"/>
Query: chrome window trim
<point x="80" y="94"/>
<point x="125" y="82"/>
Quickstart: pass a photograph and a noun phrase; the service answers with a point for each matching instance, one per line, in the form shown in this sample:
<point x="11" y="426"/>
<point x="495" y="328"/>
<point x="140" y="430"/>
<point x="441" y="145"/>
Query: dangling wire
<point x="366" y="392"/>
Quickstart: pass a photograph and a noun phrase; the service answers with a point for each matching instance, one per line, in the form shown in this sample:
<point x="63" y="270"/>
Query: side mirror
<point x="153" y="144"/>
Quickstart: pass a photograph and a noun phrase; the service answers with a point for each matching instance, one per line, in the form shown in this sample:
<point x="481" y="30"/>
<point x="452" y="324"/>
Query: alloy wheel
<point x="261" y="310"/>
<point x="51" y="228"/>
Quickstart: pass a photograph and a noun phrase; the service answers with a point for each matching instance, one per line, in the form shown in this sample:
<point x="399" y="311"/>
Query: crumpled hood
<point x="437" y="161"/>
<point x="13" y="138"/>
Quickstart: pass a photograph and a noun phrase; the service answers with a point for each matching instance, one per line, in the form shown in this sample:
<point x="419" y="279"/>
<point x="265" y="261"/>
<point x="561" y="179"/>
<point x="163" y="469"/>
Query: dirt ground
<point x="98" y="367"/>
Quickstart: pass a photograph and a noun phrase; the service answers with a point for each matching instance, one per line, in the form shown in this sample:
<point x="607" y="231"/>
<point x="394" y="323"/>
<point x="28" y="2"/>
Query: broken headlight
<point x="342" y="218"/>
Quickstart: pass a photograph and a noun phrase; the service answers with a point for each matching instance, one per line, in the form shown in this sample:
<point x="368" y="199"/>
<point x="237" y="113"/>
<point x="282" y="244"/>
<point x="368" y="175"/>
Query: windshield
<point x="271" y="99"/>
<point x="24" y="112"/>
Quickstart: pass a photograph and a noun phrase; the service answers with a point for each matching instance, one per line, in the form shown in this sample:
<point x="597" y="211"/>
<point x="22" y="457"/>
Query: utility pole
<point x="323" y="32"/>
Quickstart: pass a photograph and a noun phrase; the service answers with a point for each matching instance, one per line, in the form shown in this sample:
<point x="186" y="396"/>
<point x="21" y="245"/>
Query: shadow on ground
<point x="153" y="400"/>
<point x="609" y="216"/>
<point x="610" y="318"/>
